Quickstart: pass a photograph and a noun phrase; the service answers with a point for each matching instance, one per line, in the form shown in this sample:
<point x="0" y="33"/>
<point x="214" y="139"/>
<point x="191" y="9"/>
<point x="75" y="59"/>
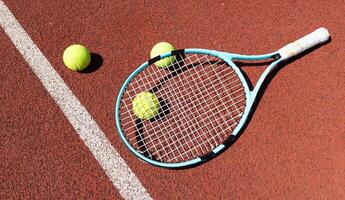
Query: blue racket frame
<point x="227" y="57"/>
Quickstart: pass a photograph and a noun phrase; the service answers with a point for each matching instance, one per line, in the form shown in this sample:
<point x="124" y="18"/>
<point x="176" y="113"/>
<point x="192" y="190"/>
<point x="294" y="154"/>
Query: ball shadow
<point x="95" y="64"/>
<point x="164" y="110"/>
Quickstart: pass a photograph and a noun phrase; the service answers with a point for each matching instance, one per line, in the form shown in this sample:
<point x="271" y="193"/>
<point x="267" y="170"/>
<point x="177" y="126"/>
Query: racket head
<point x="224" y="57"/>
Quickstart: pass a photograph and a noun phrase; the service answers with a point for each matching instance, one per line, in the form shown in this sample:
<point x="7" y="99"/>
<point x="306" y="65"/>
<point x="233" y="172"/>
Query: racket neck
<point x="274" y="55"/>
<point x="261" y="80"/>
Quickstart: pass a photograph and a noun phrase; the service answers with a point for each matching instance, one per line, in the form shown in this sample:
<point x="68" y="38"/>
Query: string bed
<point x="201" y="102"/>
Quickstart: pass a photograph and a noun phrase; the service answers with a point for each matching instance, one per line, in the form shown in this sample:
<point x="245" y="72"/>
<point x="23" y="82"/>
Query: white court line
<point x="114" y="166"/>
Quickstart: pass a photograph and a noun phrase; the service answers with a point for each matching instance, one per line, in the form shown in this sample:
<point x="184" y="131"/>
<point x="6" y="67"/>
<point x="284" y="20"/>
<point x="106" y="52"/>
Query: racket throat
<point x="260" y="83"/>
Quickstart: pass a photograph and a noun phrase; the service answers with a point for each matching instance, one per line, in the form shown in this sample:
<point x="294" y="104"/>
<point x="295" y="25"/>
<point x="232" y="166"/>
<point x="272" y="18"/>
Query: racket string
<point x="239" y="84"/>
<point x="172" y="141"/>
<point x="217" y="93"/>
<point x="215" y="142"/>
<point x="170" y="137"/>
<point x="190" y="120"/>
<point x="230" y="95"/>
<point x="201" y="117"/>
<point x="202" y="143"/>
<point x="166" y="127"/>
<point x="201" y="104"/>
<point x="177" y="88"/>
<point x="164" y="135"/>
<point x="154" y="73"/>
<point x="200" y="136"/>
<point x="177" y="102"/>
<point x="199" y="129"/>
<point x="178" y="141"/>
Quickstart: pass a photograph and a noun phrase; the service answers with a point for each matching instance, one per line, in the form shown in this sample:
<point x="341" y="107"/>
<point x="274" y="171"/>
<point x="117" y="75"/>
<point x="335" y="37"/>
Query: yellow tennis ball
<point x="160" y="48"/>
<point x="76" y="57"/>
<point x="145" y="105"/>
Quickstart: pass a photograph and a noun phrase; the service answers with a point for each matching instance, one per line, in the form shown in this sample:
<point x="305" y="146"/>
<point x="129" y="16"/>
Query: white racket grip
<point x="318" y="36"/>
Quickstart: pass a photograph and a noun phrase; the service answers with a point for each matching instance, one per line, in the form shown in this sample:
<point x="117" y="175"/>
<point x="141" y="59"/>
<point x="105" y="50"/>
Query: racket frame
<point x="227" y="57"/>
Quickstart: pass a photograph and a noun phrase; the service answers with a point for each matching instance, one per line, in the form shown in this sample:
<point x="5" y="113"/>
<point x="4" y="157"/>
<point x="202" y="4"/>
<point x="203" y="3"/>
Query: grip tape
<point x="319" y="36"/>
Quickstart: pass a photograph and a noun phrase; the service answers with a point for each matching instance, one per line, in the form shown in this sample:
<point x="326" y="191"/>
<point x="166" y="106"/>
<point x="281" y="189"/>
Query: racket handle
<point x="319" y="36"/>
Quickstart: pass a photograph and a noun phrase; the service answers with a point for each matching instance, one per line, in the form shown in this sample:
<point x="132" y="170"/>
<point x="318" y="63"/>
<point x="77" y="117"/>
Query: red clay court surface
<point x="293" y="147"/>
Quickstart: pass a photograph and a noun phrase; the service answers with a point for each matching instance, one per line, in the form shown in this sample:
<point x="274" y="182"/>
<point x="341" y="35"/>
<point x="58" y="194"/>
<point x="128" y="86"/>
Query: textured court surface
<point x="293" y="147"/>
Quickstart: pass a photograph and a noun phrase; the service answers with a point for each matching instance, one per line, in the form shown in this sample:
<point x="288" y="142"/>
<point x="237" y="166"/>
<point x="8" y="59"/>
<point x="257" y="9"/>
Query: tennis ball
<point x="145" y="105"/>
<point x="76" y="57"/>
<point x="160" y="48"/>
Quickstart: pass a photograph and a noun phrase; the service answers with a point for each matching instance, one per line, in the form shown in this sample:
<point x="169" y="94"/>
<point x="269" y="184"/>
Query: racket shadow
<point x="264" y="86"/>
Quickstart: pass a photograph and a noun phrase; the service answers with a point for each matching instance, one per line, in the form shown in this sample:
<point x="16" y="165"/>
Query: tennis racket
<point x="204" y="102"/>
